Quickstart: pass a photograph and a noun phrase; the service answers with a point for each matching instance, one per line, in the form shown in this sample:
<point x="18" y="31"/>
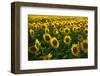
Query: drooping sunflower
<point x="66" y="30"/>
<point x="84" y="46"/>
<point x="37" y="43"/>
<point x="54" y="42"/>
<point x="31" y="33"/>
<point x="32" y="49"/>
<point x="67" y="39"/>
<point x="47" y="37"/>
<point x="75" y="50"/>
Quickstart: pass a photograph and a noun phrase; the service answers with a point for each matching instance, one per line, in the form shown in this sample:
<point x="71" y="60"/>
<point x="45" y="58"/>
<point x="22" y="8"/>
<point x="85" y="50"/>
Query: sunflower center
<point x="86" y="31"/>
<point x="85" y="45"/>
<point x="34" y="27"/>
<point x="67" y="39"/>
<point x="72" y="23"/>
<point x="37" y="27"/>
<point x="75" y="49"/>
<point x="86" y="25"/>
<point x="66" y="31"/>
<point x="47" y="38"/>
<point x="52" y="25"/>
<point x="43" y="27"/>
<point x="74" y="29"/>
<point x="54" y="42"/>
<point x="32" y="33"/>
<point x="33" y="49"/>
<point x="68" y="24"/>
<point x="78" y="29"/>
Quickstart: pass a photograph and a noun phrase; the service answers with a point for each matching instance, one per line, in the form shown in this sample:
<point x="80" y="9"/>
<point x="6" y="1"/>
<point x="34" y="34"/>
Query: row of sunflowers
<point x="57" y="37"/>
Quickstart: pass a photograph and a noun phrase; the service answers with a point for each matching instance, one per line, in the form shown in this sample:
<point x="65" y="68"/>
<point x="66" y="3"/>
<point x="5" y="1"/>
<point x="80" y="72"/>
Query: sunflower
<point x="44" y="26"/>
<point x="54" y="42"/>
<point x="85" y="25"/>
<point x="86" y="30"/>
<point x="34" y="28"/>
<point x="78" y="29"/>
<point x="61" y="30"/>
<point x="67" y="39"/>
<point x="74" y="29"/>
<point x="37" y="43"/>
<point x="46" y="30"/>
<point x="75" y="50"/>
<point x="30" y="25"/>
<point x="32" y="49"/>
<point x="48" y="56"/>
<point x="84" y="46"/>
<point x="47" y="37"/>
<point x="53" y="25"/>
<point x="79" y="37"/>
<point x="72" y="23"/>
<point x="55" y="31"/>
<point x="31" y="33"/>
<point x="68" y="24"/>
<point x="66" y="30"/>
<point x="37" y="27"/>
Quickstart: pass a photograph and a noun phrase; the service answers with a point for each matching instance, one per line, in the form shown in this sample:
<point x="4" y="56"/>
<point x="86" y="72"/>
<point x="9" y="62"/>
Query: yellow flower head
<point x="84" y="46"/>
<point x="34" y="27"/>
<point x="46" y="30"/>
<point x="37" y="43"/>
<point x="37" y="27"/>
<point x="86" y="26"/>
<point x="67" y="39"/>
<point x="78" y="29"/>
<point x="49" y="56"/>
<point x="61" y="29"/>
<point x="31" y="33"/>
<point x="44" y="26"/>
<point x="54" y="42"/>
<point x="75" y="50"/>
<point x="86" y="30"/>
<point x="47" y="37"/>
<point x="66" y="30"/>
<point x="74" y="29"/>
<point x="33" y="49"/>
<point x="30" y="25"/>
<point x="79" y="37"/>
<point x="55" y="31"/>
<point x="53" y="25"/>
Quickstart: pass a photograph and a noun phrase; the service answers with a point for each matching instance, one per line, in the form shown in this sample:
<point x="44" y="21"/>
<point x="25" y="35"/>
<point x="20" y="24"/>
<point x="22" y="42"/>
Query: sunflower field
<point x="57" y="37"/>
